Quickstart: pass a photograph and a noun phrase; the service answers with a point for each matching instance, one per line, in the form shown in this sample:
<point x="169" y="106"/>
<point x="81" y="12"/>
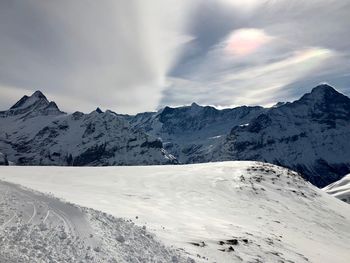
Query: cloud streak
<point x="109" y="53"/>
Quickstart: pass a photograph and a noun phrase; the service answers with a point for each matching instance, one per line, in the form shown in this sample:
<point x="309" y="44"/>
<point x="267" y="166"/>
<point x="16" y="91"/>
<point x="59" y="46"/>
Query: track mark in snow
<point x="8" y="221"/>
<point x="33" y="215"/>
<point x="47" y="215"/>
<point x="47" y="229"/>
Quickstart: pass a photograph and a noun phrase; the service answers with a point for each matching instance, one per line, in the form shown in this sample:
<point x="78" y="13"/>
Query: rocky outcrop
<point x="3" y="159"/>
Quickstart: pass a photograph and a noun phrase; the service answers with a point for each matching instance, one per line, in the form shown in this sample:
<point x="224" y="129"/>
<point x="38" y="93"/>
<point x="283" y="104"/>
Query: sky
<point x="133" y="56"/>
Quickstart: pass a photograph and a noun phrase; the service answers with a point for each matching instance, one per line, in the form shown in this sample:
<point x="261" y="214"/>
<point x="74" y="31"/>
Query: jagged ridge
<point x="35" y="132"/>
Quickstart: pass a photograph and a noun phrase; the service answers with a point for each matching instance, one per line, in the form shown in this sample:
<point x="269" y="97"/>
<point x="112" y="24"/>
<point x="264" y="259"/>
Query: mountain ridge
<point x="310" y="135"/>
<point x="35" y="132"/>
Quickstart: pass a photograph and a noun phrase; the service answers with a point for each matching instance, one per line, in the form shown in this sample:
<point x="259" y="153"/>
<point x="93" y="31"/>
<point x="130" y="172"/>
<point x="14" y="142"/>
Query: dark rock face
<point x="19" y="103"/>
<point x="196" y="118"/>
<point x="154" y="144"/>
<point x="92" y="155"/>
<point x="3" y="159"/>
<point x="190" y="132"/>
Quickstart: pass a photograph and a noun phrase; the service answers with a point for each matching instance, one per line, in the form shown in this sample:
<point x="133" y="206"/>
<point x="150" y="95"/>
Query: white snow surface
<point x="340" y="189"/>
<point x="35" y="228"/>
<point x="214" y="212"/>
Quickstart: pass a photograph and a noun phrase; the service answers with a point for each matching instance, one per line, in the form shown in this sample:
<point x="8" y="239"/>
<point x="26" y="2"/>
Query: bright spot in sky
<point x="246" y="41"/>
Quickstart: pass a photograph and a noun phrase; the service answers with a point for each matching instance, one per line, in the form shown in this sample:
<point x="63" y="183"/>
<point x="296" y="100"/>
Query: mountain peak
<point x="194" y="105"/>
<point x="38" y="94"/>
<point x="324" y="88"/>
<point x="98" y="110"/>
<point x="324" y="93"/>
<point x="34" y="103"/>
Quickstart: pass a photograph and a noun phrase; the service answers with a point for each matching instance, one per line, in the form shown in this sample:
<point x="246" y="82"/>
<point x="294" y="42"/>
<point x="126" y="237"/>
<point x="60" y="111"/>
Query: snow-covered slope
<point x="39" y="228"/>
<point x="340" y="189"/>
<point x="35" y="132"/>
<point x="216" y="212"/>
<point x="310" y="135"/>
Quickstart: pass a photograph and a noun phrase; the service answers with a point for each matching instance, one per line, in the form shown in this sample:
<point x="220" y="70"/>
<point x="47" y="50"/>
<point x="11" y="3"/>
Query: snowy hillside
<point x="340" y="189"/>
<point x="216" y="212"/>
<point x="310" y="135"/>
<point x="39" y="228"/>
<point x="35" y="132"/>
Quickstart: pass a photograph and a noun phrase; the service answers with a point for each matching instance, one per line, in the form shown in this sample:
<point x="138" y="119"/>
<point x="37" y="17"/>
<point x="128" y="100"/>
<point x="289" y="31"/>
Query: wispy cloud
<point x="111" y="53"/>
<point x="267" y="51"/>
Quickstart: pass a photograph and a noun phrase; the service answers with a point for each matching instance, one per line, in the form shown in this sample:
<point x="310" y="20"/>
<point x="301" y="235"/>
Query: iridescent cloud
<point x="246" y="41"/>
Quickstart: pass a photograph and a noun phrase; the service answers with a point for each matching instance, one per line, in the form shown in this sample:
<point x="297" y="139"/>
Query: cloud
<point x="245" y="41"/>
<point x="259" y="85"/>
<point x="136" y="55"/>
<point x="110" y="53"/>
<point x="267" y="51"/>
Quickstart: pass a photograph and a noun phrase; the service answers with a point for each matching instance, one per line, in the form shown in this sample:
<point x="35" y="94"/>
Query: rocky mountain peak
<point x="195" y="105"/>
<point x="98" y="110"/>
<point x="38" y="94"/>
<point x="36" y="98"/>
<point x="322" y="93"/>
<point x="37" y="102"/>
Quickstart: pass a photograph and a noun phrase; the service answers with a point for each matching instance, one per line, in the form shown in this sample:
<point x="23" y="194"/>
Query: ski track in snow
<point x="33" y="215"/>
<point x="9" y="221"/>
<point x="47" y="215"/>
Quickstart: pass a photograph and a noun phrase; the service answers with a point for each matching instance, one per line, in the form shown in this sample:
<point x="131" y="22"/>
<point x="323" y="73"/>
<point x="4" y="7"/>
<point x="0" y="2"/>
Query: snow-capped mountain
<point x="340" y="189"/>
<point x="35" y="132"/>
<point x="190" y="133"/>
<point x="310" y="135"/>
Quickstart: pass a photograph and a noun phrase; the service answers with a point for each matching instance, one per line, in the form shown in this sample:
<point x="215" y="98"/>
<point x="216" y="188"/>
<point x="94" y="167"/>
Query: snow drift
<point x="340" y="189"/>
<point x="215" y="212"/>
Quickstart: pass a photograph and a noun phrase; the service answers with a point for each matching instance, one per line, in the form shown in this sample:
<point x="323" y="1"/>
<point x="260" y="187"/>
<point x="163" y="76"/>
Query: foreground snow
<point x="216" y="212"/>
<point x="39" y="228"/>
<point x="340" y="189"/>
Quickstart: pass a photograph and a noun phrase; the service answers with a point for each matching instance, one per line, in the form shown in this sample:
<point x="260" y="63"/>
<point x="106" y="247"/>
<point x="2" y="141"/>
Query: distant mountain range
<point x="35" y="132"/>
<point x="310" y="135"/>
